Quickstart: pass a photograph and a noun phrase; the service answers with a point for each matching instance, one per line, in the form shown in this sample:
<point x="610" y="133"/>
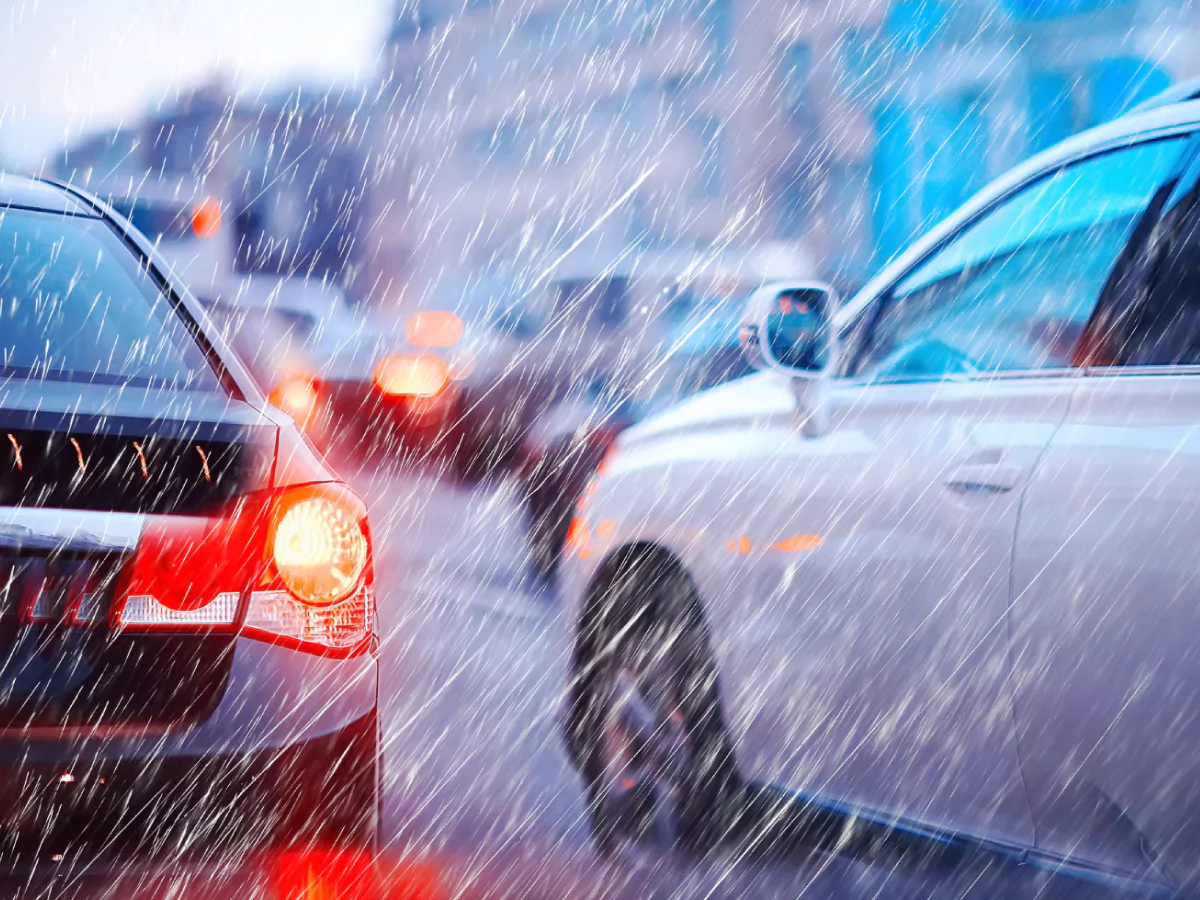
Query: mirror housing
<point x="788" y="328"/>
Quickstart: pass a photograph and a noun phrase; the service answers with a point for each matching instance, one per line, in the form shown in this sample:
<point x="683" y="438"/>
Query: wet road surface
<point x="480" y="801"/>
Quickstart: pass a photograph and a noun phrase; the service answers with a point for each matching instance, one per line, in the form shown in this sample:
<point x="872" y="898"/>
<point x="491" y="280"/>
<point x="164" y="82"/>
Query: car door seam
<point x="1010" y="643"/>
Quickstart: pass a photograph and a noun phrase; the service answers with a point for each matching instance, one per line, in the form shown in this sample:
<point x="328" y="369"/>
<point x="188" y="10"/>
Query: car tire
<point x="652" y="747"/>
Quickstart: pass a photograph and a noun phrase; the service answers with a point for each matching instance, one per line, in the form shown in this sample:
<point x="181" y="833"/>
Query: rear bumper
<point x="289" y="755"/>
<point x="322" y="792"/>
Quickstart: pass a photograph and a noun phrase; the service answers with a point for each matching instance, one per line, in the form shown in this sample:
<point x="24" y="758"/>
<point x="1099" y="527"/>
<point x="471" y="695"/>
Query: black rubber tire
<point x="652" y="602"/>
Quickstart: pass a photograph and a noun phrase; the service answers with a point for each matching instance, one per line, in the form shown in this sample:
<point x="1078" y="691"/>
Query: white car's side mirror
<point x="788" y="327"/>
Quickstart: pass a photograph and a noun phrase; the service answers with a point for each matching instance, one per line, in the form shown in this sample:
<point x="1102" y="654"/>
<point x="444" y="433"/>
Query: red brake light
<point x="191" y="571"/>
<point x="297" y="396"/>
<point x="413" y="376"/>
<point x="297" y="560"/>
<point x="206" y="218"/>
<point x="318" y="589"/>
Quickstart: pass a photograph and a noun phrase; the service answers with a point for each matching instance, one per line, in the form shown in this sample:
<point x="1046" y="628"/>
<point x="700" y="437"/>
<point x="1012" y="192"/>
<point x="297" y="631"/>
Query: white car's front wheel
<point x="654" y="753"/>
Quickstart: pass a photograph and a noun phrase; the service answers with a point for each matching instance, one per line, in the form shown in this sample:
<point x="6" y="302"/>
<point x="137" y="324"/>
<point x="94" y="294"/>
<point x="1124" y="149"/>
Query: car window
<point x="1159" y="326"/>
<point x="76" y="305"/>
<point x="1015" y="289"/>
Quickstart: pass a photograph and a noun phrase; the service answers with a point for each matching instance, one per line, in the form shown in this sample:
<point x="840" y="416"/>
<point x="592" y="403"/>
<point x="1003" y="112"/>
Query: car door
<point x="1106" y="609"/>
<point x="871" y="661"/>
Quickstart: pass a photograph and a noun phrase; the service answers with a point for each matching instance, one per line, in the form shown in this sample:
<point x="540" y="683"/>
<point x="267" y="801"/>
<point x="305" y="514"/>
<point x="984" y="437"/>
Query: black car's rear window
<point x="76" y="305"/>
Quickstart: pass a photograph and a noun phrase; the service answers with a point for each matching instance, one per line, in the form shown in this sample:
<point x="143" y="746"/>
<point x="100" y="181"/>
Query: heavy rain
<point x="585" y="449"/>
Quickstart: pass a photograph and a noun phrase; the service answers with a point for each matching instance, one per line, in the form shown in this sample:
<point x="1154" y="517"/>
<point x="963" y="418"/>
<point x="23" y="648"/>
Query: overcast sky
<point x="69" y="66"/>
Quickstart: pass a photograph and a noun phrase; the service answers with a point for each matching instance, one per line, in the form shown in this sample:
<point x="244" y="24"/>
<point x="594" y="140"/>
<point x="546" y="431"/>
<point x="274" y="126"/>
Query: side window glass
<point x="1015" y="289"/>
<point x="1160" y="326"/>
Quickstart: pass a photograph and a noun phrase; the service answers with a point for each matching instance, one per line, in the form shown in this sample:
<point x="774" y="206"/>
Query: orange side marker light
<point x="798" y="543"/>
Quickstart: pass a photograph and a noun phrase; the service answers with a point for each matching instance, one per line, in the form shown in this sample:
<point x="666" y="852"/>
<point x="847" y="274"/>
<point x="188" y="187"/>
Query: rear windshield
<point x="76" y="305"/>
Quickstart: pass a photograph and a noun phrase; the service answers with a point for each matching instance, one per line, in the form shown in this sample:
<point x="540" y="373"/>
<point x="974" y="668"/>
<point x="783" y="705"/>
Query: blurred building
<point x="511" y="132"/>
<point x="288" y="168"/>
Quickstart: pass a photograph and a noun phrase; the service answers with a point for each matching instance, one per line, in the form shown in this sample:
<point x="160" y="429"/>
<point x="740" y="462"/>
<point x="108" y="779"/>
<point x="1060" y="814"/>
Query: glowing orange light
<point x="319" y="550"/>
<point x="411" y="376"/>
<point x="204" y="463"/>
<point x="798" y="543"/>
<point x="141" y="455"/>
<point x="298" y="397"/>
<point x="206" y="218"/>
<point x="577" y="535"/>
<point x="434" y="328"/>
<point x="605" y="528"/>
<point x="79" y="456"/>
<point x="740" y="545"/>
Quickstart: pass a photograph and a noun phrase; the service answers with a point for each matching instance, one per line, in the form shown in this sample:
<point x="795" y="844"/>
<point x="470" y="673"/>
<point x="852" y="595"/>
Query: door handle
<point x="984" y="478"/>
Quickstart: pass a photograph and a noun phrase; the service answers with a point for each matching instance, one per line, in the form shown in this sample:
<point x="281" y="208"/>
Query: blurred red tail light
<point x="317" y="874"/>
<point x="298" y="397"/>
<point x="291" y="566"/>
<point x="206" y="217"/>
<point x="413" y="376"/>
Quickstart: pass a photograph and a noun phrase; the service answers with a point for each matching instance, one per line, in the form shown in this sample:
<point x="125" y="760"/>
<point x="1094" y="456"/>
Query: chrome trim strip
<point x="35" y="528"/>
<point x="1141" y="371"/>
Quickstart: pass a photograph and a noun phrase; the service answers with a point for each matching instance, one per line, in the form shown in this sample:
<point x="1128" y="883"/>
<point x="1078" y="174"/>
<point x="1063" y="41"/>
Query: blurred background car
<point x="595" y="319"/>
<point x="351" y="379"/>
<point x="568" y="442"/>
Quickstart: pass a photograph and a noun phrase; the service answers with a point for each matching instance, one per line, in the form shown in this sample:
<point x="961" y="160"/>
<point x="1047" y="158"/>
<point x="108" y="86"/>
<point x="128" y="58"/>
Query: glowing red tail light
<point x="206" y="217"/>
<point x="412" y="376"/>
<point x="298" y="397"/>
<point x="290" y="566"/>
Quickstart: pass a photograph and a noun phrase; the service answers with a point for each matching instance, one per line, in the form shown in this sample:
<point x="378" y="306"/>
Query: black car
<point x="188" y="648"/>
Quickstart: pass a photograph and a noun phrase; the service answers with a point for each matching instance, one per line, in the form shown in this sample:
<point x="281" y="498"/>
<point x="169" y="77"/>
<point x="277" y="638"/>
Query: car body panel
<point x="1104" y="618"/>
<point x="783" y="534"/>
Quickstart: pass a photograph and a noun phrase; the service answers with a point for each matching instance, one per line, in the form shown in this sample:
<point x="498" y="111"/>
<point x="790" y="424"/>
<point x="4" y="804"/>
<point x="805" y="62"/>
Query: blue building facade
<point x="957" y="91"/>
<point x="845" y="129"/>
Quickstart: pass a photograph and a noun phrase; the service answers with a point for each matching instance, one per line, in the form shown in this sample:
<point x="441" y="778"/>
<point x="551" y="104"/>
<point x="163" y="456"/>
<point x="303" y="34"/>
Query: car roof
<point x="1162" y="120"/>
<point x="30" y="193"/>
<point x="1188" y="89"/>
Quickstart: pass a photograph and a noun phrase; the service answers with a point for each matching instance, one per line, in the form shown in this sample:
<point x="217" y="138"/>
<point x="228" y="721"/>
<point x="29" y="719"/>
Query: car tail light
<point x="298" y="397"/>
<point x="297" y="560"/>
<point x="413" y="376"/>
<point x="318" y="588"/>
<point x="206" y="218"/>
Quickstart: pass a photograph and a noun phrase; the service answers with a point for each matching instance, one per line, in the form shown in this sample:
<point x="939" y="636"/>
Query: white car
<point x="938" y="568"/>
